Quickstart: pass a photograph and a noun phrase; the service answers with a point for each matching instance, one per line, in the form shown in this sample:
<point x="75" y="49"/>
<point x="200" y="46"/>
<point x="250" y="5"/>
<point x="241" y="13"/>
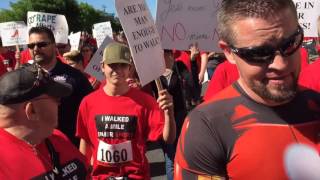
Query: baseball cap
<point x="28" y="82"/>
<point x="116" y="53"/>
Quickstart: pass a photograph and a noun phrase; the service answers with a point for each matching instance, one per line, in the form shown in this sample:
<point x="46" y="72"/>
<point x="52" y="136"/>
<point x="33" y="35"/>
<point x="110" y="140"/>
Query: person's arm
<point x="203" y="67"/>
<point x="18" y="58"/>
<point x="200" y="153"/>
<point x="166" y="104"/>
<point x="85" y="149"/>
<point x="194" y="52"/>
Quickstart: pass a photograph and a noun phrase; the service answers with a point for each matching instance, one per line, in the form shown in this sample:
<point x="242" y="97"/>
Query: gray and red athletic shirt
<point x="235" y="137"/>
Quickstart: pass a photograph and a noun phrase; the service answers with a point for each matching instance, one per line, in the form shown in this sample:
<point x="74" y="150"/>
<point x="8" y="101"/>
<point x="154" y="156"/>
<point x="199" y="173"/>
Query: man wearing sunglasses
<point x="42" y="48"/>
<point x="244" y="130"/>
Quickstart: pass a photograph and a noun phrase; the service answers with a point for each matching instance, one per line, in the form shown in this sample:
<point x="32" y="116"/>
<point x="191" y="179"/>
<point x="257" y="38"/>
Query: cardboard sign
<point x="143" y="39"/>
<point x="14" y="33"/>
<point x="94" y="66"/>
<point x="184" y="22"/>
<point x="75" y="40"/>
<point x="101" y="30"/>
<point x="56" y="22"/>
<point x="308" y="13"/>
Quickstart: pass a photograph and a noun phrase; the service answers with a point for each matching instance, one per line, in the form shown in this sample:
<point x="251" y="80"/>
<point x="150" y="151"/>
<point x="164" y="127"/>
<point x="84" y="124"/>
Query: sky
<point x="98" y="4"/>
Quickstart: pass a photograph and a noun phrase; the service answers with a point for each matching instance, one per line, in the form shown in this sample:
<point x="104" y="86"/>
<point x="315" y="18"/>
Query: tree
<point x="79" y="16"/>
<point x="90" y="16"/>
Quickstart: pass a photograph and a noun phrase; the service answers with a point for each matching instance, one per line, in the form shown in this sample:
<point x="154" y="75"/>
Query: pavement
<point x="156" y="161"/>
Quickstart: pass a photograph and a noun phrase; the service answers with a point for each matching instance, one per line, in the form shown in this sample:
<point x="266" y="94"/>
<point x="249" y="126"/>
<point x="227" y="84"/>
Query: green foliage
<point x="90" y="16"/>
<point x="80" y="17"/>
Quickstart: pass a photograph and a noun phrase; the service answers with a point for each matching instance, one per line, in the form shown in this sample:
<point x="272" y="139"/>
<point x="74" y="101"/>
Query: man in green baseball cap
<point x="115" y="121"/>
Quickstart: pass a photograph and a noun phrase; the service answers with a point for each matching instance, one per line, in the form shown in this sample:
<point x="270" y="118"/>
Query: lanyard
<point x="54" y="156"/>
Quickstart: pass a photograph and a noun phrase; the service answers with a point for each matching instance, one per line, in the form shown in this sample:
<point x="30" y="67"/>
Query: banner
<point x="56" y="22"/>
<point x="143" y="39"/>
<point x="94" y="66"/>
<point x="101" y="30"/>
<point x="308" y="13"/>
<point x="184" y="22"/>
<point x="14" y="33"/>
<point x="75" y="40"/>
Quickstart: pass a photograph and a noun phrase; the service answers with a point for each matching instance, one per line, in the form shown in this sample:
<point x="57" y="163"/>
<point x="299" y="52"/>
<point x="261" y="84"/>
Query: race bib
<point x="114" y="153"/>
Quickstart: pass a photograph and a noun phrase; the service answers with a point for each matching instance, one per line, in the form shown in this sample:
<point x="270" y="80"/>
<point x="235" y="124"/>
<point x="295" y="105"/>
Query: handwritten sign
<point x="184" y="22"/>
<point x="308" y="13"/>
<point x="94" y="66"/>
<point x="57" y="23"/>
<point x="74" y="40"/>
<point x="14" y="33"/>
<point x="101" y="30"/>
<point x="143" y="39"/>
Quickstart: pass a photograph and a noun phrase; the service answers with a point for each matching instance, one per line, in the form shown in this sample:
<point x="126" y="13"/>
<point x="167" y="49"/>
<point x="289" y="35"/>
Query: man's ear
<point x="227" y="51"/>
<point x="30" y="111"/>
<point x="102" y="66"/>
<point x="131" y="66"/>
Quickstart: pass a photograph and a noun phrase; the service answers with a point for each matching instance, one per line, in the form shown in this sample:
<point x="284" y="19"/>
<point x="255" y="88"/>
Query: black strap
<point x="54" y="156"/>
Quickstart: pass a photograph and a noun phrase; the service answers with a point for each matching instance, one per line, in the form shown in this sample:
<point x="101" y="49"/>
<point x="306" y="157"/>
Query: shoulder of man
<point x="77" y="79"/>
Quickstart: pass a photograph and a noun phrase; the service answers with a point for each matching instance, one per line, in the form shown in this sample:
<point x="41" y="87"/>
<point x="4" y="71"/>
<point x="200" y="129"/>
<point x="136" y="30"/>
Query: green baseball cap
<point x="116" y="53"/>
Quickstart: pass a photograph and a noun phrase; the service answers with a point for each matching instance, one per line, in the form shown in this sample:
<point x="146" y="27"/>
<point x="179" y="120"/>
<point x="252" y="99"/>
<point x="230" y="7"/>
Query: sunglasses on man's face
<point x="39" y="45"/>
<point x="267" y="53"/>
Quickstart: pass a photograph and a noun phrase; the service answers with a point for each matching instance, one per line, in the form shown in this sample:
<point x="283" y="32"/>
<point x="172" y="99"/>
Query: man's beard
<point x="283" y="92"/>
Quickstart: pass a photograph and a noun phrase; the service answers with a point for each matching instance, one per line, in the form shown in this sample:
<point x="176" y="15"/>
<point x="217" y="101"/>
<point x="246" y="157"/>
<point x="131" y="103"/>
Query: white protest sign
<point x="184" y="22"/>
<point x="57" y="23"/>
<point x="143" y="39"/>
<point x="100" y="31"/>
<point x="94" y="66"/>
<point x="75" y="40"/>
<point x="14" y="33"/>
<point x="308" y="13"/>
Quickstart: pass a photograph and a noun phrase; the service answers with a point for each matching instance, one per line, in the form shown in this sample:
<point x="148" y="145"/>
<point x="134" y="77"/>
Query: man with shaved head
<point x="31" y="147"/>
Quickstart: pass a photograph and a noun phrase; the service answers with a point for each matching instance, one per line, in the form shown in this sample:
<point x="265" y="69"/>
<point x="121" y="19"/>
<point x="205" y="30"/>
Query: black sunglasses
<point x="267" y="53"/>
<point x="39" y="45"/>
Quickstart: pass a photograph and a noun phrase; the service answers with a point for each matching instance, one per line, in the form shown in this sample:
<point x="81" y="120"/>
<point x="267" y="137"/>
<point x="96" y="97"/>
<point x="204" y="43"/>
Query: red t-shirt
<point x="224" y="75"/>
<point x="118" y="127"/>
<point x="9" y="55"/>
<point x="20" y="160"/>
<point x="235" y="137"/>
<point x="93" y="81"/>
<point x="304" y="58"/>
<point x="3" y="69"/>
<point x="227" y="73"/>
<point x="25" y="56"/>
<point x="309" y="77"/>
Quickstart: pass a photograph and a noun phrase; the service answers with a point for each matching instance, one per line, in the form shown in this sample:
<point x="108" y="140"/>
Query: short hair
<point x="74" y="56"/>
<point x="233" y="10"/>
<point x="42" y="29"/>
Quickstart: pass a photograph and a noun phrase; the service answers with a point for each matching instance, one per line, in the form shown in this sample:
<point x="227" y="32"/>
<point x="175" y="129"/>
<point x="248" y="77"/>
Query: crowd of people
<point x="58" y="122"/>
